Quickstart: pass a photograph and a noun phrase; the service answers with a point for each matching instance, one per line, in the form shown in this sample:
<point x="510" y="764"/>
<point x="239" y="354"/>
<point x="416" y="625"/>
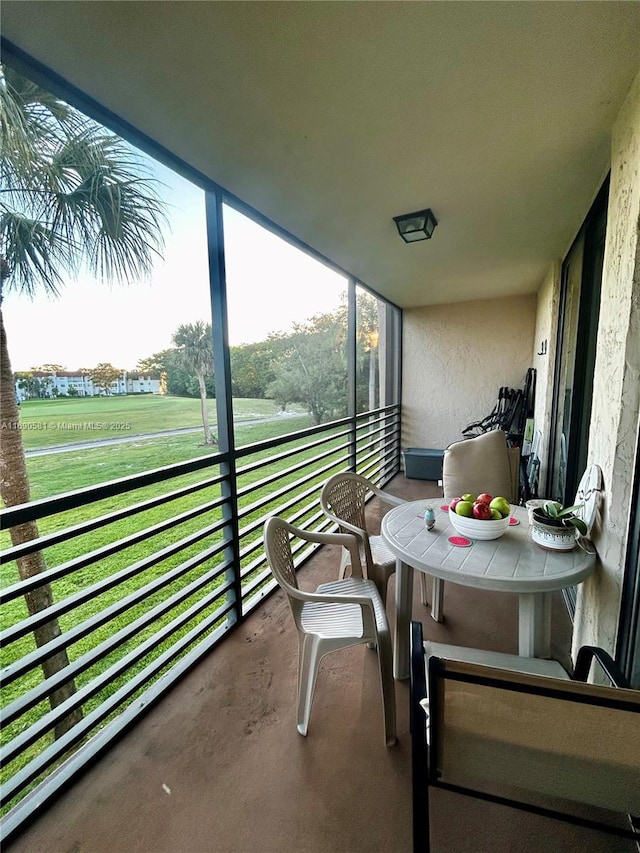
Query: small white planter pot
<point x="532" y="505"/>
<point x="553" y="537"/>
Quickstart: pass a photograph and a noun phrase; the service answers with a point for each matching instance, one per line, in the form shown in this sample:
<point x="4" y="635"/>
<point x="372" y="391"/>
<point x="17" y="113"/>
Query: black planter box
<point x="423" y="463"/>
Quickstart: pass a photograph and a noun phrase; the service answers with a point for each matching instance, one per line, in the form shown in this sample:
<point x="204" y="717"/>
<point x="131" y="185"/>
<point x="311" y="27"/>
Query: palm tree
<point x="73" y="196"/>
<point x="195" y="345"/>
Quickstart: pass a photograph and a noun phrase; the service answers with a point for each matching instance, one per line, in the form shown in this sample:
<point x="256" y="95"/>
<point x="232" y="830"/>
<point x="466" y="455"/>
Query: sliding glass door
<point x="576" y="352"/>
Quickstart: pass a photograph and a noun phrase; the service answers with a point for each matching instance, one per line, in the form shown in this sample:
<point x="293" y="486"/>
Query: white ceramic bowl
<point x="475" y="528"/>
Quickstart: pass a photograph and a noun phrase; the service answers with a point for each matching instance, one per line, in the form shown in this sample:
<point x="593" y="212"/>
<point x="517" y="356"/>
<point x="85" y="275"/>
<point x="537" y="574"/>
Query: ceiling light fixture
<point x="416" y="226"/>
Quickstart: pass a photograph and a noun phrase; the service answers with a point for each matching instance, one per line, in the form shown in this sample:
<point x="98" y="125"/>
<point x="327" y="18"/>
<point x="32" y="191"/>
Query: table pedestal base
<point x="534" y="633"/>
<point x="437" y="597"/>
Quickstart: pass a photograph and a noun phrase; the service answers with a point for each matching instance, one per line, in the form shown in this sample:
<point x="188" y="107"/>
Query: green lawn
<point x="68" y="420"/>
<point x="55" y="473"/>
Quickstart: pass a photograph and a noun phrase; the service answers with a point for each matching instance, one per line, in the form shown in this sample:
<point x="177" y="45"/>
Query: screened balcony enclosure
<point x="131" y="632"/>
<point x="148" y="660"/>
<point x="124" y="583"/>
<point x="218" y="763"/>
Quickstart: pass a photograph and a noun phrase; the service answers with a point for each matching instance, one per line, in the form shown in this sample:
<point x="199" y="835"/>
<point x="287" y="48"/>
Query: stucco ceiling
<point x="331" y="118"/>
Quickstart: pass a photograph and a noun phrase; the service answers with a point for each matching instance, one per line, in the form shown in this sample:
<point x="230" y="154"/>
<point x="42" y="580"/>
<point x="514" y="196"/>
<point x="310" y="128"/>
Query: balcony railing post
<point x="351" y="369"/>
<point x="224" y="394"/>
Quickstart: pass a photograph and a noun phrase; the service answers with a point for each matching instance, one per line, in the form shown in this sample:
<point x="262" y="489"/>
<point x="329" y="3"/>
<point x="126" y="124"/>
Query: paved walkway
<point x="125" y="439"/>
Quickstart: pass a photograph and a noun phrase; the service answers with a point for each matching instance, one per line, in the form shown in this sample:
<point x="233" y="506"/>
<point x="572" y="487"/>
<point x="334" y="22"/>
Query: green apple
<point x="465" y="508"/>
<point x="469" y="497"/>
<point x="495" y="515"/>
<point x="502" y="505"/>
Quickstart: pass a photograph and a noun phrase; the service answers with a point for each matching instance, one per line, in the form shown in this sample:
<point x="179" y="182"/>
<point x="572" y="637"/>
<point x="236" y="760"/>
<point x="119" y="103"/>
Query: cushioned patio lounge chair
<point x="523" y="733"/>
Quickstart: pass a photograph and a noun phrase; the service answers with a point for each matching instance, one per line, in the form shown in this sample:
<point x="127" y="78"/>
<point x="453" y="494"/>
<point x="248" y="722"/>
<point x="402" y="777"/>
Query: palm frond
<point x="31" y="121"/>
<point x="195" y="346"/>
<point x="82" y="193"/>
<point x="35" y="255"/>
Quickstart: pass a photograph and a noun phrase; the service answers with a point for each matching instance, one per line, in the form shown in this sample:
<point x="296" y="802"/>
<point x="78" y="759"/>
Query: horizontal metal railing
<point x="371" y="446"/>
<point x="150" y="588"/>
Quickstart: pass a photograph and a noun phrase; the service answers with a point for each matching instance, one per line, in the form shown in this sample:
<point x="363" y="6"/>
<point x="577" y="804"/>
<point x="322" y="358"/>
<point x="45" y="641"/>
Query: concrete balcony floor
<point x="219" y="766"/>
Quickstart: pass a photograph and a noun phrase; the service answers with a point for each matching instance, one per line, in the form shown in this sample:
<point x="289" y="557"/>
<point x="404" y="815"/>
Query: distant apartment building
<point x="67" y="383"/>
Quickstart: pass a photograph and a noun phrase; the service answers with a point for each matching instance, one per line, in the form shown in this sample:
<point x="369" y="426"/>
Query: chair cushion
<point x="500" y="660"/>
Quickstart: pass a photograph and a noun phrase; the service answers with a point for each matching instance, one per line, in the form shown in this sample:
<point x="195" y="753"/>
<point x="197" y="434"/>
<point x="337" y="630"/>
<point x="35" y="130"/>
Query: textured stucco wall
<point x="455" y="358"/>
<point x="616" y="401"/>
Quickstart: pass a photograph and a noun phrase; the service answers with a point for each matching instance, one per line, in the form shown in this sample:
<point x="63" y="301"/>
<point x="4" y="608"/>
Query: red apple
<point x="484" y="498"/>
<point x="481" y="511"/>
<point x="454" y="503"/>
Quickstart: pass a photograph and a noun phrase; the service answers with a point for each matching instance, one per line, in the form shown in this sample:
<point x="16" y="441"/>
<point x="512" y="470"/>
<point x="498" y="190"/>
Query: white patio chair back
<point x="343" y="500"/>
<point x="338" y="614"/>
<point x="481" y="464"/>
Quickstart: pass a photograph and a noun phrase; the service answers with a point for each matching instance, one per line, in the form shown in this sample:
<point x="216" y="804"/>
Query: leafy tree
<point x="34" y="386"/>
<point x="309" y="364"/>
<point x="252" y="367"/>
<point x="312" y="369"/>
<point x="179" y="378"/>
<point x="194" y="343"/>
<point x="72" y="196"/>
<point x="49" y="368"/>
<point x="152" y="366"/>
<point x="104" y="375"/>
<point x="29" y="384"/>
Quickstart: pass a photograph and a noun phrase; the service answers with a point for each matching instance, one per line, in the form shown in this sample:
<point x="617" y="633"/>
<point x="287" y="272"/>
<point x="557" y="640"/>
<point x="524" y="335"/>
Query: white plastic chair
<point x="338" y="614"/>
<point x="481" y="464"/>
<point x="343" y="499"/>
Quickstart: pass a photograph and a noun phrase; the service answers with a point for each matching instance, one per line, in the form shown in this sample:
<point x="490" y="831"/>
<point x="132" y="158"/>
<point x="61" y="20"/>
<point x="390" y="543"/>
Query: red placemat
<point x="460" y="541"/>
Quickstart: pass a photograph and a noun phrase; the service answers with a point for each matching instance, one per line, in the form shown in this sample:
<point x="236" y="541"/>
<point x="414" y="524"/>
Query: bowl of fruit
<point x="481" y="517"/>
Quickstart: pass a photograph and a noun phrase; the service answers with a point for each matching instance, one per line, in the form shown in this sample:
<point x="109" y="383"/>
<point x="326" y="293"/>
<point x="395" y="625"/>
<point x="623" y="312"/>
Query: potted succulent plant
<point x="555" y="527"/>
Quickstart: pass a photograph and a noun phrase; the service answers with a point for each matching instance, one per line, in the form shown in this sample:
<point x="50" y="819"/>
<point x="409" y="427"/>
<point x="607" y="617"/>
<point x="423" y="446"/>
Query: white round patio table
<point x="513" y="563"/>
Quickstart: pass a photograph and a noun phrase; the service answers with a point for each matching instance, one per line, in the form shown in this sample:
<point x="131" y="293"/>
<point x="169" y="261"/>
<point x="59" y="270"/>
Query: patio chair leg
<point x="308" y="663"/>
<point x="385" y="658"/>
<point x="381" y="583"/>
